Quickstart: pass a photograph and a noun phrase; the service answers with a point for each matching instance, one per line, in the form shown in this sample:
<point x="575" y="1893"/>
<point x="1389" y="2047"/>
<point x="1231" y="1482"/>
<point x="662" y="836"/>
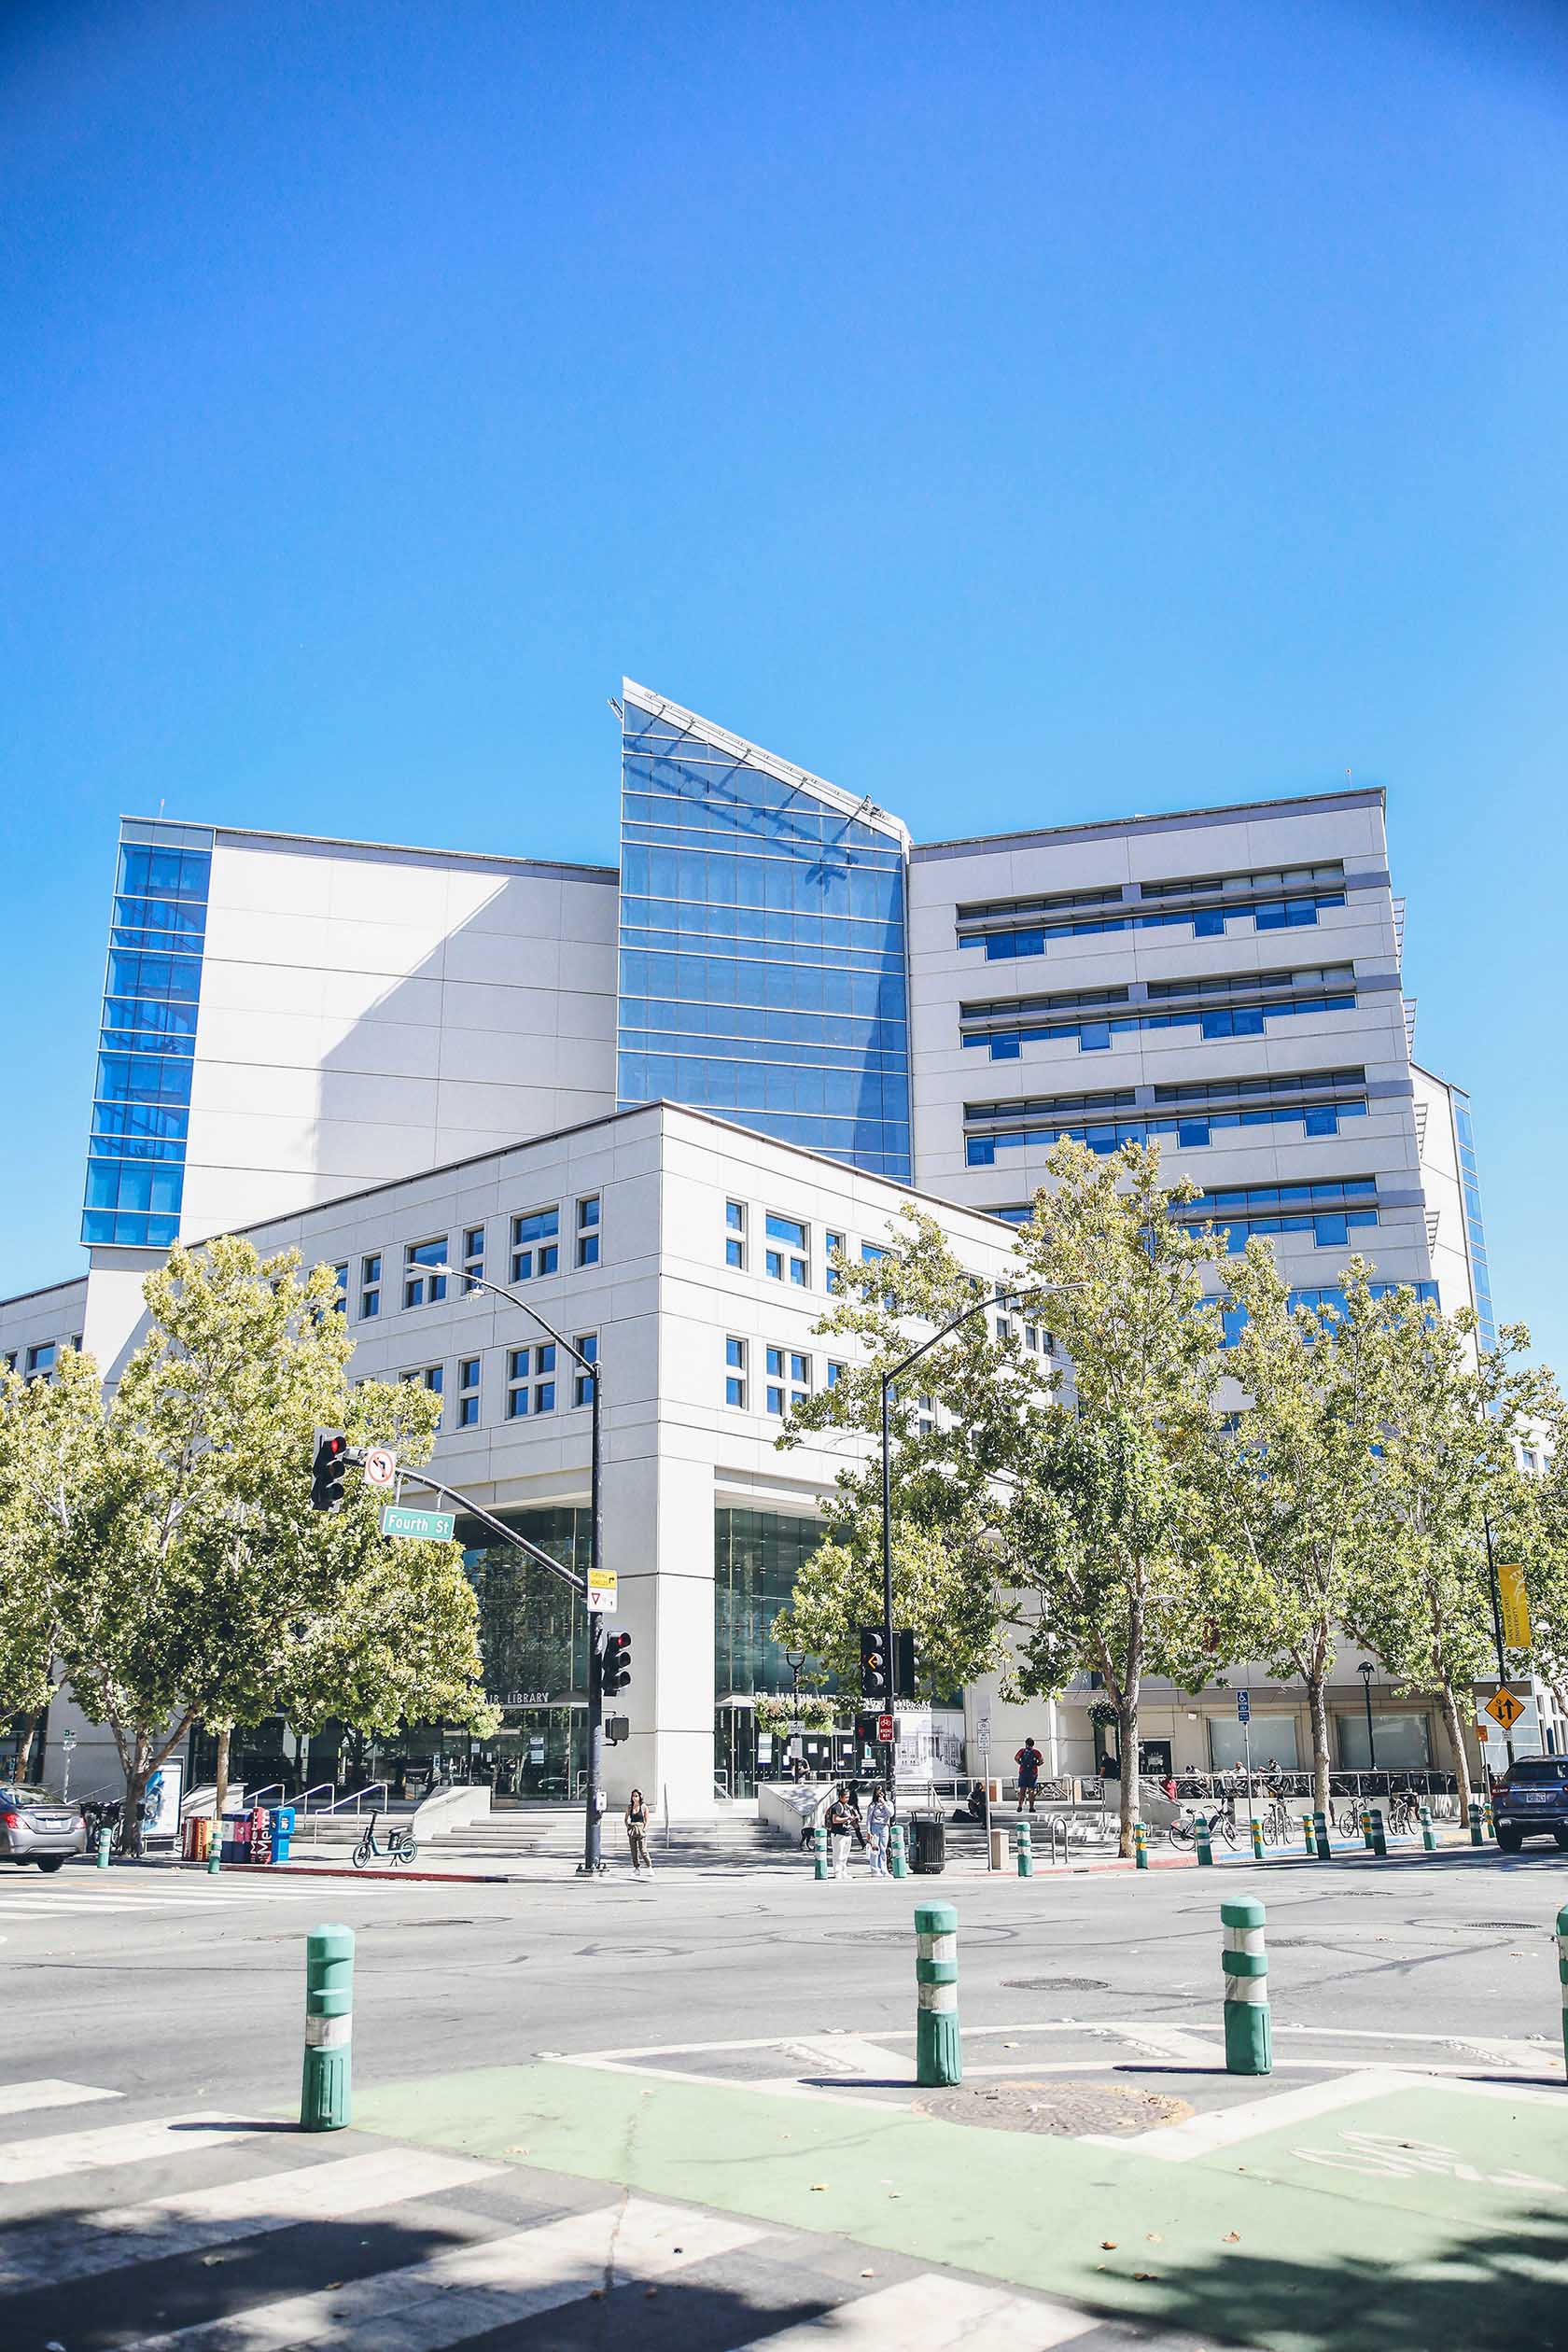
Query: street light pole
<point x="592" y="1864"/>
<point x="890" y="1378"/>
<point x="1365" y="1670"/>
<point x="1497" y="1625"/>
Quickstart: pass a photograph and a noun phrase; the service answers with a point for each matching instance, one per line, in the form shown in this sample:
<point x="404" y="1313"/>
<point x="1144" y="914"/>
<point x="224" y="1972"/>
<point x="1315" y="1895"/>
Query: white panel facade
<point x="369" y="1010"/>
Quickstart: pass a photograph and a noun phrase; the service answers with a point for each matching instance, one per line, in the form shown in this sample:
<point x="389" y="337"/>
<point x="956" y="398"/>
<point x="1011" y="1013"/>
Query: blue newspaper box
<point x="283" y="1831"/>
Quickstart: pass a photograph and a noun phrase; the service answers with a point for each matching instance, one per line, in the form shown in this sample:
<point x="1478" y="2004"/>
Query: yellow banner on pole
<point x="1516" y="1608"/>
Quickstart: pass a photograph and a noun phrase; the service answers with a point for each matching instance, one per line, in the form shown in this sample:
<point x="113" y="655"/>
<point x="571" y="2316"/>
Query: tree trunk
<point x="137" y="1773"/>
<point x="1456" y="1742"/>
<point x="220" y="1774"/>
<point x="1317" y="1700"/>
<point x="1126" y="1722"/>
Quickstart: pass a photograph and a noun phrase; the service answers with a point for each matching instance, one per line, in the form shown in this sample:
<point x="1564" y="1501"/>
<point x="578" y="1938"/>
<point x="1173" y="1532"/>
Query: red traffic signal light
<point x="328" y="1469"/>
<point x="615" y="1667"/>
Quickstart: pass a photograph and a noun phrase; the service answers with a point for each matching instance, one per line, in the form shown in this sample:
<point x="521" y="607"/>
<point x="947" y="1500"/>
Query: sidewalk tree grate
<point x="1060" y="2110"/>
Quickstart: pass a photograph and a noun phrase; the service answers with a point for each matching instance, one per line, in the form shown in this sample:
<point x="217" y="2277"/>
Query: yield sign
<point x="1504" y="1708"/>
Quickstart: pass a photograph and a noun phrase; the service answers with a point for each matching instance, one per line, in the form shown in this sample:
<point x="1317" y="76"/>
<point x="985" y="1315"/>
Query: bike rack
<point x="1056" y="1824"/>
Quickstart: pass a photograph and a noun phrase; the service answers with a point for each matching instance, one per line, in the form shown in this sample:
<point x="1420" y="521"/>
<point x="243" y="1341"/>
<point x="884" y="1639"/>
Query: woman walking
<point x="637" y="1831"/>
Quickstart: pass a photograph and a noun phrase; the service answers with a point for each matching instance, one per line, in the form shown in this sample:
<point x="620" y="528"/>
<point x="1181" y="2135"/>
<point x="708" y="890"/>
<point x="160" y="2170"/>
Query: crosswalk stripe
<point x="934" y="2313"/>
<point x="19" y="2098"/>
<point x="44" y="1900"/>
<point x="52" y="2158"/>
<point x="55" y="2252"/>
<point x="469" y="2290"/>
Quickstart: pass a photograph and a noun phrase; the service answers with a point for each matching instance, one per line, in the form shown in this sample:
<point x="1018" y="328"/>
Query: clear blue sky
<point x="1021" y="414"/>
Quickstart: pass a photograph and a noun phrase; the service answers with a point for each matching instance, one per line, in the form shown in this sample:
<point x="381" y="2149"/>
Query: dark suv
<point x="1531" y="1801"/>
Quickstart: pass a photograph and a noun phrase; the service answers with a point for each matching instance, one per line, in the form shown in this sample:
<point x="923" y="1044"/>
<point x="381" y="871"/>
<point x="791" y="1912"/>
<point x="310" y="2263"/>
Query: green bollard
<point x="325" y="2097"/>
<point x="1563" y="1972"/>
<point x="1306" y="1821"/>
<point x="1475" y="1821"/>
<point x="105" y="1839"/>
<point x="1489" y="1819"/>
<point x="896" y="1862"/>
<point x="1026" y="1851"/>
<point x="1428" y="1841"/>
<point x="819" y="1852"/>
<point x="1204" y="1839"/>
<point x="938" y="2051"/>
<point x="214" y="1851"/>
<point x="1379" y="1835"/>
<point x="1140" y="1846"/>
<point x="1257" y="1839"/>
<point x="1249" y="2038"/>
<point x="1320" y="1822"/>
<point x="1366" y="1829"/>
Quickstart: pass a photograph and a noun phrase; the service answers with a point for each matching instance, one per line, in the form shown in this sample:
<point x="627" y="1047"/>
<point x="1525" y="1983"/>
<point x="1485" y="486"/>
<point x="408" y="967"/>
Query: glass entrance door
<point x="538" y="1753"/>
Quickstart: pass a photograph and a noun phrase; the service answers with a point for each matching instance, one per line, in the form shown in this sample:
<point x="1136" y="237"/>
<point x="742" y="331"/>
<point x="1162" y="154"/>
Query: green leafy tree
<point x="1295" y="1479"/>
<point x="1422" y="1601"/>
<point x="51" y="1460"/>
<point x="200" y="1567"/>
<point x="1537" y="1536"/>
<point x="1076" y="1518"/>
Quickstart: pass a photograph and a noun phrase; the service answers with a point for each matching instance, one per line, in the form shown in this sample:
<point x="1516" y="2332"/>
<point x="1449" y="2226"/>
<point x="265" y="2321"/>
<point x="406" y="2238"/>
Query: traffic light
<point x="904" y="1663"/>
<point x="328" y="1469"/>
<point x="615" y="1667"/>
<point x="874" y="1664"/>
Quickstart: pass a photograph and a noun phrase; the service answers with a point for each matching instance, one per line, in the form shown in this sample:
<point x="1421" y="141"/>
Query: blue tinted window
<point x="152" y="989"/>
<point x="762" y="951"/>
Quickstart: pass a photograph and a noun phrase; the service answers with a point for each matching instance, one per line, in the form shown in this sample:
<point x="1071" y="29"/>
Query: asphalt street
<point x="682" y="2111"/>
<point x="168" y="1982"/>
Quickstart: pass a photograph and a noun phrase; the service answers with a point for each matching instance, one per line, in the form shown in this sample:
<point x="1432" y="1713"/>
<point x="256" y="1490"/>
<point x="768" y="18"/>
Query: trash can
<point x="283" y="1831"/>
<point x="930" y="1855"/>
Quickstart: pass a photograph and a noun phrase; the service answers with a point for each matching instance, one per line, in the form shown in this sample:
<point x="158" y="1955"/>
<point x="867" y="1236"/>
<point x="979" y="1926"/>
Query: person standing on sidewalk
<point x="637" y="1831"/>
<point x="836" y="1821"/>
<point x="1027" y="1760"/>
<point x="878" y="1822"/>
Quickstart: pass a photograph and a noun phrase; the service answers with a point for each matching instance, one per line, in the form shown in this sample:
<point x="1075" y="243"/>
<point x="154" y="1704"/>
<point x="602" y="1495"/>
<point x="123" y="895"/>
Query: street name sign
<point x="1504" y="1708"/>
<point x="604" y="1590"/>
<point x="429" y="1527"/>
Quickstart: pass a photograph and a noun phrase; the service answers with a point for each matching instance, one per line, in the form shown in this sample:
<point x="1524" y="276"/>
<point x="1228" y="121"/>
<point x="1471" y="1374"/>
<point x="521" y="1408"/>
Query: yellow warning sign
<point x="1516" y="1608"/>
<point x="1504" y="1708"/>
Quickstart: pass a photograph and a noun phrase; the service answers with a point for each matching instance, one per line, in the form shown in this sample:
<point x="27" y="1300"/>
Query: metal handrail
<point x="256" y="1794"/>
<point x="1055" y="1823"/>
<point x="316" y="1789"/>
<point x="356" y="1800"/>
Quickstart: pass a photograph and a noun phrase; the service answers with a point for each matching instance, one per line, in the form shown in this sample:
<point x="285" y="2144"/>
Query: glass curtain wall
<point x="533" y="1634"/>
<point x="1475" y="1232"/>
<point x="763" y="968"/>
<point x="141" y="1112"/>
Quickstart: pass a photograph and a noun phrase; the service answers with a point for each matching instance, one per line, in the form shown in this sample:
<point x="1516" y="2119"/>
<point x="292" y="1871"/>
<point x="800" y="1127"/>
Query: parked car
<point x="1531" y="1800"/>
<point x="37" y="1826"/>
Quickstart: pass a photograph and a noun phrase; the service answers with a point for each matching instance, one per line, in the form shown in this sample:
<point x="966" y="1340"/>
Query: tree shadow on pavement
<point x="1506" y="2289"/>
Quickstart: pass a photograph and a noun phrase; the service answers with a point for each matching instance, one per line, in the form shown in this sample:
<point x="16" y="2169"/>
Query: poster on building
<point x="161" y="1805"/>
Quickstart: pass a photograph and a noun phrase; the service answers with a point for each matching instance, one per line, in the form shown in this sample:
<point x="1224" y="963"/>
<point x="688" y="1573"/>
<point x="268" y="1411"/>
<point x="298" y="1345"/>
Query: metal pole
<point x="888" y="1549"/>
<point x="594" y="1777"/>
<point x="1371" y="1744"/>
<point x="1497" y="1628"/>
<point x="593" y="1825"/>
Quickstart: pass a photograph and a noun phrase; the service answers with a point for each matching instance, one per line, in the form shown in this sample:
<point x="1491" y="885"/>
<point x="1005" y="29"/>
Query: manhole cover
<point x="1511" y="1926"/>
<point x="1063" y="2110"/>
<point x="969" y="1937"/>
<point x="1053" y="1984"/>
<point x="1293" y="1943"/>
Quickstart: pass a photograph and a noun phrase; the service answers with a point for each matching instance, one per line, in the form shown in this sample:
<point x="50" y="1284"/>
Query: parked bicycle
<point x="1183" y="1829"/>
<point x="1403" y="1813"/>
<point x="1278" y="1827"/>
<point x="401" y="1846"/>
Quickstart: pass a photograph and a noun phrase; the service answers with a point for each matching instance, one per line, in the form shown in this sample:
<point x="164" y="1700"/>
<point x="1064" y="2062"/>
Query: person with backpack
<point x="837" y="1821"/>
<point x="1027" y="1760"/>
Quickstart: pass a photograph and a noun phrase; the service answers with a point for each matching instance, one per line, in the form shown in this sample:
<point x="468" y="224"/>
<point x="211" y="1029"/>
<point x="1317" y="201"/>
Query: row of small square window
<point x="788" y="1381"/>
<point x="535" y="1250"/>
<point x="37" y="1363"/>
<point x="786" y="1247"/>
<point x="531" y="1384"/>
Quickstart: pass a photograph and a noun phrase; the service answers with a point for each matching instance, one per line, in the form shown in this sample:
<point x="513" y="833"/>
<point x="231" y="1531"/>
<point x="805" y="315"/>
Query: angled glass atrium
<point x="762" y="971"/>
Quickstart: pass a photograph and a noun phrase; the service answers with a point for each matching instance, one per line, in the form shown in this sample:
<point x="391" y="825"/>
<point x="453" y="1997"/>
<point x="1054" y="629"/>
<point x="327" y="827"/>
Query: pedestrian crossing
<point x="77" y="1895"/>
<point x="207" y="2233"/>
